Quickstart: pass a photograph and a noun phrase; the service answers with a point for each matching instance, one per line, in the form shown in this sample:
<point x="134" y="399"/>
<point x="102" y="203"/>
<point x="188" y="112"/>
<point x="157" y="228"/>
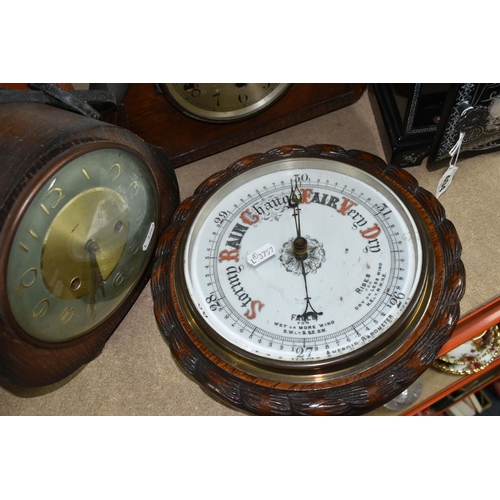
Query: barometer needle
<point x="299" y="246"/>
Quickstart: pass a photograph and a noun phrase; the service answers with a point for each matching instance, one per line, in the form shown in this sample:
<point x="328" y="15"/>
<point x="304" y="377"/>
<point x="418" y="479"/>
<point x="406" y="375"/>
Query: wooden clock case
<point x="34" y="140"/>
<point x="151" y="116"/>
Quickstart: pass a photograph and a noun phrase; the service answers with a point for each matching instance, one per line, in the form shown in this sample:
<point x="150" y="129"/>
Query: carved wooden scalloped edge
<point x="356" y="397"/>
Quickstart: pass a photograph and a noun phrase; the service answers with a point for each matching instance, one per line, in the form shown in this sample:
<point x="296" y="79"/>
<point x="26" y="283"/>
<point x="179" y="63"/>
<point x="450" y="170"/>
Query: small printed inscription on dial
<point x="347" y="262"/>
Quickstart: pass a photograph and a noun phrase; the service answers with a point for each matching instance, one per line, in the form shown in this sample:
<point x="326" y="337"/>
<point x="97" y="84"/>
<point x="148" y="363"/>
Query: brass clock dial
<point x="83" y="206"/>
<point x="308" y="280"/>
<point x="223" y="102"/>
<point x="82" y="244"/>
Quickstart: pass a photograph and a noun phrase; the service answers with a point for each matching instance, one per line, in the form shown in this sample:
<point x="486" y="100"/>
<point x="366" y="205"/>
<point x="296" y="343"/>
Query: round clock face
<point x="306" y="281"/>
<point x="81" y="243"/>
<point x="223" y="101"/>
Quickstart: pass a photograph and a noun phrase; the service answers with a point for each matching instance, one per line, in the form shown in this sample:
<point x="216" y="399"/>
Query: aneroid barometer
<point x="308" y="281"/>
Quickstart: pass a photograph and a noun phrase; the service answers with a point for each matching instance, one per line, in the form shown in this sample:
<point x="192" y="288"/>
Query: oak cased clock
<point x="82" y="204"/>
<point x="308" y="280"/>
<point x="193" y="120"/>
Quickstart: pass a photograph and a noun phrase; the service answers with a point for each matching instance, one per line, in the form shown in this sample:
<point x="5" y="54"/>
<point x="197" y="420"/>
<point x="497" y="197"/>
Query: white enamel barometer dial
<point x="308" y="281"/>
<point x="358" y="274"/>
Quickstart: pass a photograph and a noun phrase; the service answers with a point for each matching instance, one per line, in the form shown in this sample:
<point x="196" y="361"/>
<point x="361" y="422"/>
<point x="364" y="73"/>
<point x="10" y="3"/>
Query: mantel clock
<point x="82" y="204"/>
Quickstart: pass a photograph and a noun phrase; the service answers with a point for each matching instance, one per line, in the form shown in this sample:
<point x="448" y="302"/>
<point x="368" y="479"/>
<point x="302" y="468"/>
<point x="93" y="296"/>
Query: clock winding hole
<point x="75" y="283"/>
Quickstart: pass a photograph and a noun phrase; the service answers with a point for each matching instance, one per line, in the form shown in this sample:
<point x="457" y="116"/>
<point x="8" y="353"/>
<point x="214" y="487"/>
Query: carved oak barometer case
<point x="308" y="281"/>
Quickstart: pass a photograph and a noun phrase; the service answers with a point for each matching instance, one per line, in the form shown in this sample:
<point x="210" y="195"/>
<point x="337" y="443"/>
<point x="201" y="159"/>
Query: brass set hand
<point x="300" y="243"/>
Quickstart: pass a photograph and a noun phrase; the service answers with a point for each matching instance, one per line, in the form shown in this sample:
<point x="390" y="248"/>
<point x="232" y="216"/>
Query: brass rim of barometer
<point x="308" y="372"/>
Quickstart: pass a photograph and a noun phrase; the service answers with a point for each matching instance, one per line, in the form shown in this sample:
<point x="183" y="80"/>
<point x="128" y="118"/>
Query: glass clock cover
<point x="220" y="102"/>
<point x="81" y="244"/>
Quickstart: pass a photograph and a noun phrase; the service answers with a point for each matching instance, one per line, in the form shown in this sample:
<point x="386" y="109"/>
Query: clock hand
<point x="299" y="246"/>
<point x="97" y="280"/>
